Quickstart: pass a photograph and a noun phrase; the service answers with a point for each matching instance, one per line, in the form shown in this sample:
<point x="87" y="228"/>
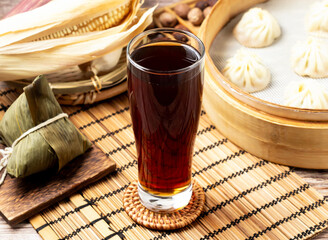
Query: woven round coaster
<point x="163" y="221"/>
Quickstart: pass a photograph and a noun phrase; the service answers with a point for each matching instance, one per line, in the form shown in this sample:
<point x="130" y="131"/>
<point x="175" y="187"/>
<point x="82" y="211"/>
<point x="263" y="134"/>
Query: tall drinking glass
<point x="165" y="87"/>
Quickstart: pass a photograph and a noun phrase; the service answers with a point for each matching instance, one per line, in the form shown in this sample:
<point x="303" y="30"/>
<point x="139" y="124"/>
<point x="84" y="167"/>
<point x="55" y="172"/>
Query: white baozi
<point x="310" y="58"/>
<point x="317" y="19"/>
<point x="307" y="93"/>
<point x="257" y="28"/>
<point x="246" y="70"/>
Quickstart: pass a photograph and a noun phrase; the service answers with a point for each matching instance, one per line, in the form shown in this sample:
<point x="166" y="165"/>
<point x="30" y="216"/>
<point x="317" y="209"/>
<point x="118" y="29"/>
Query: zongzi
<point x="42" y="135"/>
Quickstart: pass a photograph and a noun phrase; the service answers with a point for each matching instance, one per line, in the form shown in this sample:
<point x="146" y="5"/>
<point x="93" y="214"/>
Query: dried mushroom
<point x="207" y="11"/>
<point x="168" y="19"/>
<point x="182" y="10"/>
<point x="195" y="16"/>
<point x="211" y="2"/>
<point x="180" y="37"/>
<point x="202" y="5"/>
<point x="182" y="27"/>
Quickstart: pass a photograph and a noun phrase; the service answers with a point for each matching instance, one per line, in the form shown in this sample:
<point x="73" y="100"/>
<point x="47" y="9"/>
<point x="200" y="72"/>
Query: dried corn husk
<point x="23" y="57"/>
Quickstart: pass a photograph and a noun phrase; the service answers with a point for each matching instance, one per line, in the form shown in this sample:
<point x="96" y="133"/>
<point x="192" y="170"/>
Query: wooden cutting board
<point x="20" y="199"/>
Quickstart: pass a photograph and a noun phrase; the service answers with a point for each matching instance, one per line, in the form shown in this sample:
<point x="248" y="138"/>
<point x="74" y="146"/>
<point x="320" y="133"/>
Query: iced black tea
<point x="165" y="86"/>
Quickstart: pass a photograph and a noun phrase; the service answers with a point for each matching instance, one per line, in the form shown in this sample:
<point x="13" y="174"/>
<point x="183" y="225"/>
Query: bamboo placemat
<point x="246" y="197"/>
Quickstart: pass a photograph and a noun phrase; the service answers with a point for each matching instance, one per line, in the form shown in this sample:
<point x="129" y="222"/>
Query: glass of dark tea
<point x="165" y="87"/>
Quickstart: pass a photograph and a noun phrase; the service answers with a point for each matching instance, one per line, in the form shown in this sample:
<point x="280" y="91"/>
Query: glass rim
<point x="160" y="30"/>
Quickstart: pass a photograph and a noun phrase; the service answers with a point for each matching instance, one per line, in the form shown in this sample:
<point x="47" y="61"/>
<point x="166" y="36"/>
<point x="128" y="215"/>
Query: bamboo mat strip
<point x="246" y="197"/>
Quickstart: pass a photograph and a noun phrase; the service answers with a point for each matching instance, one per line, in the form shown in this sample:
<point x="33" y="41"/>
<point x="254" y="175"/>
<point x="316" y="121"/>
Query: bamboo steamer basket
<point x="284" y="135"/>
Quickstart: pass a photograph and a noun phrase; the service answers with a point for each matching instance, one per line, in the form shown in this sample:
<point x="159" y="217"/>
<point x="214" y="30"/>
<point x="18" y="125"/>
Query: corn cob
<point x="68" y="34"/>
<point x="100" y="23"/>
<point x="57" y="15"/>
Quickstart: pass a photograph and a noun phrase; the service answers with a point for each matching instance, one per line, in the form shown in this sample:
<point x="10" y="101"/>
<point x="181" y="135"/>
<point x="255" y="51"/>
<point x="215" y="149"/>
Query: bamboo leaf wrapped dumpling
<point x="50" y="146"/>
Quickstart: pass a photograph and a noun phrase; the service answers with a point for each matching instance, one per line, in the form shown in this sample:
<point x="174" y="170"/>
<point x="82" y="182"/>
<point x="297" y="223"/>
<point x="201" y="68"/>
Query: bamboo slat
<point x="246" y="197"/>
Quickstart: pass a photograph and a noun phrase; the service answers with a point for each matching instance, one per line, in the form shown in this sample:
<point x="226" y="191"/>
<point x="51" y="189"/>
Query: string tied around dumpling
<point x="7" y="152"/>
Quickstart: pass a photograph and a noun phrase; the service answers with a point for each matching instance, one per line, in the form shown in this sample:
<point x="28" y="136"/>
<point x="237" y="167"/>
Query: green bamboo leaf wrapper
<point x="52" y="146"/>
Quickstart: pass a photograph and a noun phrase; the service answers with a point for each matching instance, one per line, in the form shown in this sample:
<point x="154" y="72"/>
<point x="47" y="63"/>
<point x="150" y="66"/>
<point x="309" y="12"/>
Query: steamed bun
<point x="257" y="28"/>
<point x="310" y="58"/>
<point x="246" y="70"/>
<point x="307" y="93"/>
<point x="317" y="19"/>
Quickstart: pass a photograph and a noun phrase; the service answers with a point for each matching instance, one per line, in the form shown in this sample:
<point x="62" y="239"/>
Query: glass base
<point x="165" y="203"/>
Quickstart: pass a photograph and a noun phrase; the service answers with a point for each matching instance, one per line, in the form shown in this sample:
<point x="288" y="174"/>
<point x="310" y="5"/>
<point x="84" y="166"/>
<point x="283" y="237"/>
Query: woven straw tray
<point x="73" y="86"/>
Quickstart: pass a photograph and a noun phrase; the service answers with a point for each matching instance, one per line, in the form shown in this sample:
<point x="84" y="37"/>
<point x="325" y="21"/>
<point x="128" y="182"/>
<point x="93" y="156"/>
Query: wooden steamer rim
<point x="284" y="135"/>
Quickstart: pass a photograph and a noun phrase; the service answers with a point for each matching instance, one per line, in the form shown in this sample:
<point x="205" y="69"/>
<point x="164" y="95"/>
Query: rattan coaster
<point x="163" y="221"/>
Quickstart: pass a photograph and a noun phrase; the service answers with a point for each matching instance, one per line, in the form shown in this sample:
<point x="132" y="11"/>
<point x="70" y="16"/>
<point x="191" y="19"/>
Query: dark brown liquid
<point x="165" y="109"/>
